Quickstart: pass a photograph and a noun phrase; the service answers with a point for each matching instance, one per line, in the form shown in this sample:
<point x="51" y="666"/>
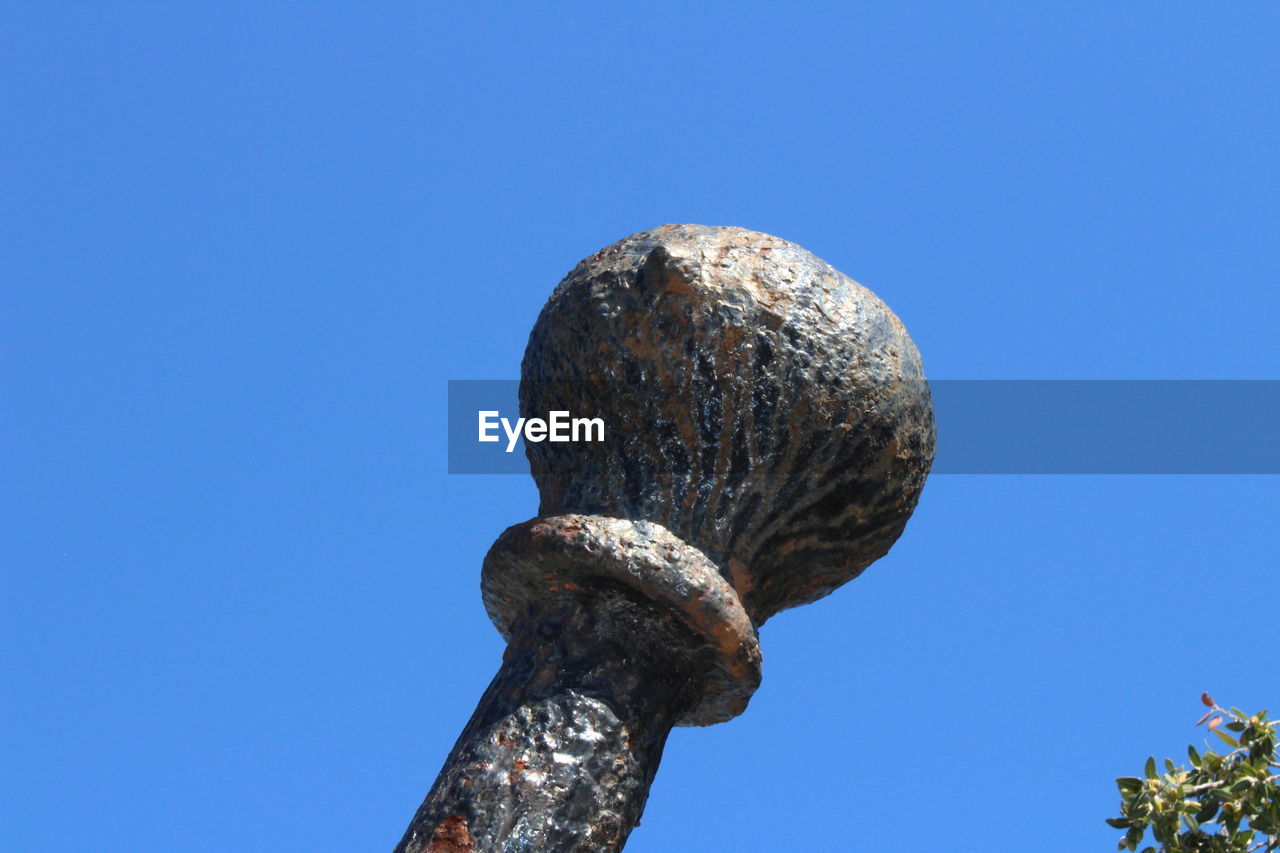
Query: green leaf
<point x="1227" y="739"/>
<point x="1129" y="784"/>
<point x="1169" y="765"/>
<point x="1119" y="822"/>
<point x="1191" y="822"/>
<point x="1234" y="726"/>
<point x="1195" y="756"/>
<point x="1150" y="768"/>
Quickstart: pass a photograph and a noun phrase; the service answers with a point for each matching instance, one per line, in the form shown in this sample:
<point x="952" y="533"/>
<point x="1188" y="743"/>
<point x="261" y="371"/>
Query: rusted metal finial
<point x="768" y="434"/>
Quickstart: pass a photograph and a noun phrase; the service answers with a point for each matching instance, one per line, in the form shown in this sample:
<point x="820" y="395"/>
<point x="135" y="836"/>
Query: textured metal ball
<point x="762" y="406"/>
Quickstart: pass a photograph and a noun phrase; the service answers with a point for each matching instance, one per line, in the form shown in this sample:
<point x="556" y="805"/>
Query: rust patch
<point x="452" y="836"/>
<point x="545" y="677"/>
<point x="676" y="283"/>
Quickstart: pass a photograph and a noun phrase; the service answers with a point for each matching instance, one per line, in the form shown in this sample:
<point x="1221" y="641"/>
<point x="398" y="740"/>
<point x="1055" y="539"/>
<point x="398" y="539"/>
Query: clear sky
<point x="246" y="245"/>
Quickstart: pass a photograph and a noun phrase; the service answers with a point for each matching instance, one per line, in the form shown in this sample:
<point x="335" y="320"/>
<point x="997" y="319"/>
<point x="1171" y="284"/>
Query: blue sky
<point x="246" y="245"/>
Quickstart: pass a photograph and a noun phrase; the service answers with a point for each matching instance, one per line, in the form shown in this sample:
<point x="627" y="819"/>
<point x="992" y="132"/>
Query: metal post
<point x="768" y="432"/>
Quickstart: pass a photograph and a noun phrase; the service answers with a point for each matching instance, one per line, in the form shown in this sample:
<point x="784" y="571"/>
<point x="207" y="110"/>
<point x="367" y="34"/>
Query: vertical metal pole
<point x="561" y="751"/>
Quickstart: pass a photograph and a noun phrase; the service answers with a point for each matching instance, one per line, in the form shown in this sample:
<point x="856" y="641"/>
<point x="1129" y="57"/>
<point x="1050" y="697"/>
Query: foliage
<point x="1223" y="803"/>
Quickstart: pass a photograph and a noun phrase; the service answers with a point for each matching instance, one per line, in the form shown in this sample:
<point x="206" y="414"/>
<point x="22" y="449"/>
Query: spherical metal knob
<point x="764" y="408"/>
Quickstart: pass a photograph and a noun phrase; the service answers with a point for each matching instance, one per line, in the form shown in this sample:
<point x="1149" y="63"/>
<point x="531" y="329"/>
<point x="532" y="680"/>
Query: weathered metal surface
<point x="562" y="749"/>
<point x="768" y="434"/>
<point x="549" y="556"/>
<point x="764" y="407"/>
